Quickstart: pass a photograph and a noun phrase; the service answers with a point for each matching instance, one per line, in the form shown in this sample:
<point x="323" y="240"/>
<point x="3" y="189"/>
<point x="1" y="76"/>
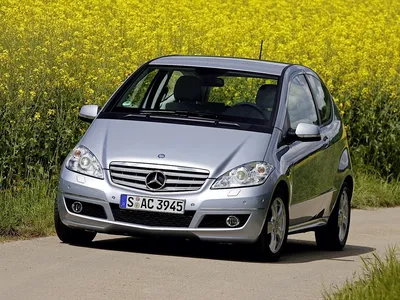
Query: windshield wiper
<point x="146" y="113"/>
<point x="195" y="116"/>
<point x="155" y="111"/>
<point x="203" y="116"/>
<point x="181" y="113"/>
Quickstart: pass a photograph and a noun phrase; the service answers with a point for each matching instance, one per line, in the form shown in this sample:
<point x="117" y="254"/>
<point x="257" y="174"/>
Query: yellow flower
<point x="84" y="57"/>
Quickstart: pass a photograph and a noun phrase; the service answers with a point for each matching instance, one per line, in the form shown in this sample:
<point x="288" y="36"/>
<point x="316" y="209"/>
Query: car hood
<point x="215" y="149"/>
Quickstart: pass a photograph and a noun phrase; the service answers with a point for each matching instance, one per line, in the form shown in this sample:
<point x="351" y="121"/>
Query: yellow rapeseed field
<point x="58" y="55"/>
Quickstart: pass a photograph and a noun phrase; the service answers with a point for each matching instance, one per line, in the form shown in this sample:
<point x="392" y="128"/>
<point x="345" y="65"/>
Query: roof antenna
<point x="261" y="48"/>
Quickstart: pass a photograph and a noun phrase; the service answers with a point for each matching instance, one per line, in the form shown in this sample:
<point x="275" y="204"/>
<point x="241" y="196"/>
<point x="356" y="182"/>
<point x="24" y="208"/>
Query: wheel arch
<point x="349" y="180"/>
<point x="282" y="186"/>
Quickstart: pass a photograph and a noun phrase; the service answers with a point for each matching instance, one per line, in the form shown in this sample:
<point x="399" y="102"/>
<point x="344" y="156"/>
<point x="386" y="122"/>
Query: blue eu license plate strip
<point x="122" y="203"/>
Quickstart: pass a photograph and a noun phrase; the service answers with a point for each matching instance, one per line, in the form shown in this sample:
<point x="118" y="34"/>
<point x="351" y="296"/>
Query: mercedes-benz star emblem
<point x="155" y="180"/>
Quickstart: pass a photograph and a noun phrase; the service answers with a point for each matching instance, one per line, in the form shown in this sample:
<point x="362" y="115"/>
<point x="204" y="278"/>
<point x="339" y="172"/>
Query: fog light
<point x="77" y="207"/>
<point x="232" y="221"/>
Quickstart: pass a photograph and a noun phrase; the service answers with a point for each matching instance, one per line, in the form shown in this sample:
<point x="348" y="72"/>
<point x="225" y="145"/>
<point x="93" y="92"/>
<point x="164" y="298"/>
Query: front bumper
<point x="251" y="201"/>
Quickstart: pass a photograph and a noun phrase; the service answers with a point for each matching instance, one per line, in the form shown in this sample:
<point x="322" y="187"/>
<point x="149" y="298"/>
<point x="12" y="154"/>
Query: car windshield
<point x="245" y="99"/>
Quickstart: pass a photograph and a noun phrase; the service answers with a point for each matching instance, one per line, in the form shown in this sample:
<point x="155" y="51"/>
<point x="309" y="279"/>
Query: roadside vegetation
<point x="380" y="280"/>
<point x="56" y="56"/>
<point x="372" y="191"/>
<point x="27" y="210"/>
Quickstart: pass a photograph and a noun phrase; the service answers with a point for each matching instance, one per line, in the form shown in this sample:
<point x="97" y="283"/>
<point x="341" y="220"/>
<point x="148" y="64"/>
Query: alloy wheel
<point x="343" y="215"/>
<point x="277" y="225"/>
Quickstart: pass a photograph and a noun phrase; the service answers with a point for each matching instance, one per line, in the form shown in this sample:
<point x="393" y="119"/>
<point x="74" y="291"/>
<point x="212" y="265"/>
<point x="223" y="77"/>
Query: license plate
<point x="152" y="204"/>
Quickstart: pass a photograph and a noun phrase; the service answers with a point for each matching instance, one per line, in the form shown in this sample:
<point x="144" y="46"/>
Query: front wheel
<point x="334" y="235"/>
<point x="274" y="234"/>
<point x="70" y="235"/>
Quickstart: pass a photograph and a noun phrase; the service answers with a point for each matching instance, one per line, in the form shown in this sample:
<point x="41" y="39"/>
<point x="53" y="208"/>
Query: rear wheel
<point x="71" y="235"/>
<point x="274" y="234"/>
<point x="334" y="235"/>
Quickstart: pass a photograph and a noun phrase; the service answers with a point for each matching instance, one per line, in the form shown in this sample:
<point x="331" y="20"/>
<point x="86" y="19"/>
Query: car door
<point x="305" y="158"/>
<point x="330" y="133"/>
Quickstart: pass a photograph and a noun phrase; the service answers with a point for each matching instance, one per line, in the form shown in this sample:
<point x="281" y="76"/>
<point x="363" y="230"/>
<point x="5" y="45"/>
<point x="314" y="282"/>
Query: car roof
<point x="220" y="62"/>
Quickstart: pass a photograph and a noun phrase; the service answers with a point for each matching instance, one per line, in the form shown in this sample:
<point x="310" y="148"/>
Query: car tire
<point x="275" y="230"/>
<point x="71" y="235"/>
<point x="334" y="235"/>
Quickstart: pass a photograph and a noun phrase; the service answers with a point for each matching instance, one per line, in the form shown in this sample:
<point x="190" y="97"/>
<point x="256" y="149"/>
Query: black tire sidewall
<point x="328" y="236"/>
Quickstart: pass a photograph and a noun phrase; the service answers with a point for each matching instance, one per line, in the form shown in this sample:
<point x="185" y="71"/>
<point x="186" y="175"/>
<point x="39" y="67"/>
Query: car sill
<point x="307" y="225"/>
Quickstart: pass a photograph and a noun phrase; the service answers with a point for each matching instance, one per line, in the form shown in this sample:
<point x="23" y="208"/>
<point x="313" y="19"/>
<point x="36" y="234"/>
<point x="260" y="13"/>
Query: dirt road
<point x="127" y="268"/>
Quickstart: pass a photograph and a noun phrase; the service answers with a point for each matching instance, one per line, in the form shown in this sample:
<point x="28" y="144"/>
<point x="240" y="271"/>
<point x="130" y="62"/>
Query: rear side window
<point x="322" y="99"/>
<point x="301" y="108"/>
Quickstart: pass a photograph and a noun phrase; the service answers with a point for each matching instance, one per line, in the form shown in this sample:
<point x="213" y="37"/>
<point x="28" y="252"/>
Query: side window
<point x="301" y="108"/>
<point x="172" y="81"/>
<point x="322" y="98"/>
<point x="136" y="96"/>
<point x="170" y="87"/>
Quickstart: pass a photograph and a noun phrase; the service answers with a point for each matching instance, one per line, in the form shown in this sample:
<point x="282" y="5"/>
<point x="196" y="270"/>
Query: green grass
<point x="372" y="191"/>
<point x="26" y="210"/>
<point x="380" y="280"/>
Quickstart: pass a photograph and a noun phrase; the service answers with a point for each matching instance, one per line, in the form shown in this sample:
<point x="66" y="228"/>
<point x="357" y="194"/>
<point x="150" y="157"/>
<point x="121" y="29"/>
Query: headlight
<point x="254" y="173"/>
<point x="81" y="160"/>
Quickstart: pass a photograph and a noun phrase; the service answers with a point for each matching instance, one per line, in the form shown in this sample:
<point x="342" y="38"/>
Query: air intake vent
<point x="150" y="218"/>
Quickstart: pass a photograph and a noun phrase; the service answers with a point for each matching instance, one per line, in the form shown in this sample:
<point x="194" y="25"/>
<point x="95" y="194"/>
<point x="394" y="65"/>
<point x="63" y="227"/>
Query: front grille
<point x="219" y="221"/>
<point x="149" y="218"/>
<point x="88" y="209"/>
<point x="177" y="178"/>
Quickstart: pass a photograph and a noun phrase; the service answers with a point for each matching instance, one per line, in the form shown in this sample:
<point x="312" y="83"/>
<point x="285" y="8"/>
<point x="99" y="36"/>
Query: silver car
<point x="213" y="148"/>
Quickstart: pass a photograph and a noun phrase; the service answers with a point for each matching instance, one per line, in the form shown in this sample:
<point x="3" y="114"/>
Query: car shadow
<point x="301" y="251"/>
<point x="296" y="251"/>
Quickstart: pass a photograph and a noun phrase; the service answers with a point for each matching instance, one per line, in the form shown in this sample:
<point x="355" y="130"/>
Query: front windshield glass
<point x="222" y="95"/>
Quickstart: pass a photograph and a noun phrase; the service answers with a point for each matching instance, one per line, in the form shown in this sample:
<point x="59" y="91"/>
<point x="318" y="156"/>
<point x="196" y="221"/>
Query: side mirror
<point x="306" y="133"/>
<point x="88" y="113"/>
